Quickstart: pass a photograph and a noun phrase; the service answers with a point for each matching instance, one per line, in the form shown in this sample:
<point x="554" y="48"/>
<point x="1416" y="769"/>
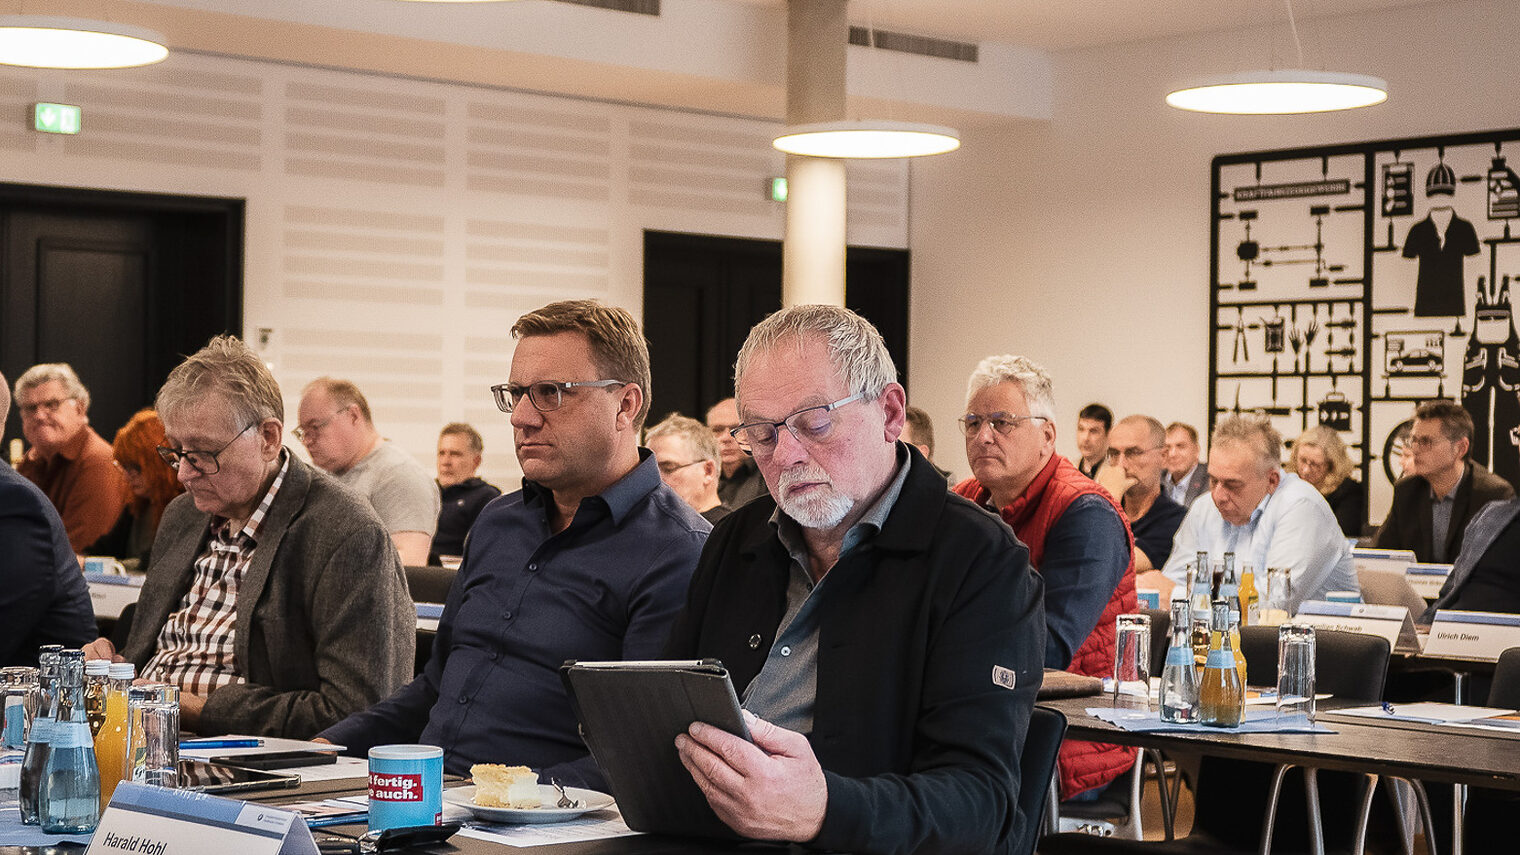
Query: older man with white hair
<point x="68" y="459"/>
<point x="885" y="634"/>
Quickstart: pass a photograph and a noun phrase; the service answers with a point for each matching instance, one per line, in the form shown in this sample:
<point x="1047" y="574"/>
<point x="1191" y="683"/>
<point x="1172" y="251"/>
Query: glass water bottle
<point x="39" y="738"/>
<point x="70" y="793"/>
<point x="1179" y="677"/>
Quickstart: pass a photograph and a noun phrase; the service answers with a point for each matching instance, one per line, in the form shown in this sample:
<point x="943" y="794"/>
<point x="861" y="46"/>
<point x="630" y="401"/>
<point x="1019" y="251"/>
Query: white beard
<point x="820" y="508"/>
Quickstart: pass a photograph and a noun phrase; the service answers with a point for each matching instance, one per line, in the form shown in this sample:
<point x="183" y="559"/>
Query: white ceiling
<point x="1057" y="25"/>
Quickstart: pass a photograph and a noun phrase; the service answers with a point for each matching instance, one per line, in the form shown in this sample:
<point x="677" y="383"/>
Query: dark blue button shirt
<point x="525" y="600"/>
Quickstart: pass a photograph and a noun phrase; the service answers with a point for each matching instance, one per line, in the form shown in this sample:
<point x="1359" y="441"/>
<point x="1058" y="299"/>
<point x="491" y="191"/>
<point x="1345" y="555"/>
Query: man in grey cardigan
<point x="275" y="600"/>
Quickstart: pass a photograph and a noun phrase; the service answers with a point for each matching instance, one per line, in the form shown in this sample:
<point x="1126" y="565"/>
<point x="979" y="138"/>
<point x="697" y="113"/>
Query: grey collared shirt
<point x="784" y="691"/>
<point x="1440" y="524"/>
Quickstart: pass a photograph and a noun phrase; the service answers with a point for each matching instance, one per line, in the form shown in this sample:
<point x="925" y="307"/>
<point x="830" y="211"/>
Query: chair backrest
<point x="1504" y="692"/>
<point x="1161" y="638"/>
<point x="1041" y="745"/>
<point x="1346" y="664"/>
<point x="429" y="584"/>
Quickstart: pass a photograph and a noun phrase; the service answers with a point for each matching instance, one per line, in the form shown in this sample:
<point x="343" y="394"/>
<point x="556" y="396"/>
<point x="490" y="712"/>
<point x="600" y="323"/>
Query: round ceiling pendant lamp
<point x="40" y="41"/>
<point x="1280" y="92"/>
<point x="867" y="139"/>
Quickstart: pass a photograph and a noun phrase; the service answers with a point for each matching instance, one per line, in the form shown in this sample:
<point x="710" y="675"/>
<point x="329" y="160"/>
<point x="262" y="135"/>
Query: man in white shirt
<point x="1267" y="517"/>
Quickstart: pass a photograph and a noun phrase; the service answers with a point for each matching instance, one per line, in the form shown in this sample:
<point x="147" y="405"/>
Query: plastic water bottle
<point x="1179" y="677"/>
<point x="70" y="794"/>
<point x="39" y="738"/>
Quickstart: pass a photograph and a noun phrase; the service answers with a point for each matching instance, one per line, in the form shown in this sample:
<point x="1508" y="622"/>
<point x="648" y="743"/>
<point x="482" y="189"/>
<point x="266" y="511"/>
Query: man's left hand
<point x="771" y="789"/>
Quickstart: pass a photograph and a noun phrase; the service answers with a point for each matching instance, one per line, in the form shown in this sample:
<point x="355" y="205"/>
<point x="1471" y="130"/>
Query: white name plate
<point x="1386" y="560"/>
<point x="144" y="820"/>
<point x="1389" y="622"/>
<point x="1427" y="579"/>
<point x="1472" y="635"/>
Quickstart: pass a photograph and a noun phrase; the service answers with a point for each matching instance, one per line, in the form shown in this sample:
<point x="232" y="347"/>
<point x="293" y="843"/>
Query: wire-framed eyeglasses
<point x="545" y="395"/>
<point x="204" y="462"/>
<point x="1002" y="423"/>
<point x="811" y="425"/>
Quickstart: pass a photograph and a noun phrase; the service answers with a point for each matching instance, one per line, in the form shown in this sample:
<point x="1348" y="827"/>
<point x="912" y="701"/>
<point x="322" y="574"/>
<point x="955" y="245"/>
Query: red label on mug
<point x="395" y="788"/>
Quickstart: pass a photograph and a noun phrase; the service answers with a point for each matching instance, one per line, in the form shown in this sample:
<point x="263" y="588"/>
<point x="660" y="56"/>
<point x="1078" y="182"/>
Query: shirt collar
<point x="255" y="522"/>
<point x="619" y="498"/>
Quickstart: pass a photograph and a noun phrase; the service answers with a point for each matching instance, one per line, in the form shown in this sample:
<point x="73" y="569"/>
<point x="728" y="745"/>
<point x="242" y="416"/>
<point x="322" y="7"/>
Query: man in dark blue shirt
<point x="43" y="597"/>
<point x="463" y="495"/>
<point x="590" y="560"/>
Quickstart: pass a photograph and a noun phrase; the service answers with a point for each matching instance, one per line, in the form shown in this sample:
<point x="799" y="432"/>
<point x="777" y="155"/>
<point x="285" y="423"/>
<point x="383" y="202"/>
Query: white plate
<point x="590" y="800"/>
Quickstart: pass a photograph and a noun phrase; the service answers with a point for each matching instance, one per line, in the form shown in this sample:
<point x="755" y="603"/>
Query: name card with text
<point x="1387" y="560"/>
<point x="1390" y="622"/>
<point x="1427" y="579"/>
<point x="1472" y="635"/>
<point x="144" y="820"/>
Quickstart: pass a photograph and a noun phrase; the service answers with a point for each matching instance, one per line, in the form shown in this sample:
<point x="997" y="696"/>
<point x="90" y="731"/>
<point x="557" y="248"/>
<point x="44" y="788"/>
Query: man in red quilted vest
<point x="1077" y="536"/>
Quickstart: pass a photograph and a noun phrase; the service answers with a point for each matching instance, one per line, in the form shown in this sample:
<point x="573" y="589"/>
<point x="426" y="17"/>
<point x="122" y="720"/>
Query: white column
<point x="812" y="255"/>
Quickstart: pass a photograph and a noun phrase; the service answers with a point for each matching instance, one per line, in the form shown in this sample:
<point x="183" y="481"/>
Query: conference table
<point x="1386" y="748"/>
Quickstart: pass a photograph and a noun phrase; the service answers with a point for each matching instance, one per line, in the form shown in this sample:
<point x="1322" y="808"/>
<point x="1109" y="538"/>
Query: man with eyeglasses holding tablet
<point x="1077" y="536"/>
<point x="884" y="634"/>
<point x="587" y="561"/>
<point x="274" y="600"/>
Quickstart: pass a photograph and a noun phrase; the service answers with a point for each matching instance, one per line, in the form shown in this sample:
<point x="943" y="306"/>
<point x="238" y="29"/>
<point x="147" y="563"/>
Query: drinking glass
<point x="1132" y="662"/>
<point x="1295" y="671"/>
<point x="153" y="735"/>
<point x="22" y="696"/>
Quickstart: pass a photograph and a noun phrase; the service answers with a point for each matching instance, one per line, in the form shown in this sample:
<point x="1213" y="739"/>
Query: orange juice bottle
<point x="111" y="741"/>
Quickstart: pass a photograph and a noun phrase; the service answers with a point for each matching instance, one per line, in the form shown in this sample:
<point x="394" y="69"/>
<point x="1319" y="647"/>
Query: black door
<point x="702" y="294"/>
<point x="118" y="285"/>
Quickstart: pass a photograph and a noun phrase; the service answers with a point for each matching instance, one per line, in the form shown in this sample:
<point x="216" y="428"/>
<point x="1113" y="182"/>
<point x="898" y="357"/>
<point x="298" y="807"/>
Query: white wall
<point x="1084" y="243"/>
<point x="397" y="228"/>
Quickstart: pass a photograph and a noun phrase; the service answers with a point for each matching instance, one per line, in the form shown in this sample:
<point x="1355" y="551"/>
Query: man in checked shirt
<point x="274" y="600"/>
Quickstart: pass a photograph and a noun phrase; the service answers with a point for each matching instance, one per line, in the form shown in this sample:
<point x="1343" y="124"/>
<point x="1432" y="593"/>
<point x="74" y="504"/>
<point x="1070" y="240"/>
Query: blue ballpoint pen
<point x="220" y="743"/>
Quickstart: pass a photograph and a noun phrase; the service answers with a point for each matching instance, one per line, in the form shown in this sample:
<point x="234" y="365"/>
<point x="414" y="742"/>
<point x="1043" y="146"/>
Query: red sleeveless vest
<point x="1084" y="765"/>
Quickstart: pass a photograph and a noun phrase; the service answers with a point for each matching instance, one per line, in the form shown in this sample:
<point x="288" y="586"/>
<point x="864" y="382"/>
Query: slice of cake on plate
<point x="505" y="786"/>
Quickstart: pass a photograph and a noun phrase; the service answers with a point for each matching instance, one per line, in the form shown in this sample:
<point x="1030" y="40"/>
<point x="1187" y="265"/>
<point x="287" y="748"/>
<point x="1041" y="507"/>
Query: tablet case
<point x="630" y="714"/>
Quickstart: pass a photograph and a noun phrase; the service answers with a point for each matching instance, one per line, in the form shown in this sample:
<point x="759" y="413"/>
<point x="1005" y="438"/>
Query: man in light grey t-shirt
<point x="339" y="433"/>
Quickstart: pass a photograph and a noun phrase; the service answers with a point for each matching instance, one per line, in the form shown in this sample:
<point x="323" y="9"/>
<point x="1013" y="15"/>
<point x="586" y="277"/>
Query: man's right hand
<point x="1113" y="479"/>
<point x="102" y="648"/>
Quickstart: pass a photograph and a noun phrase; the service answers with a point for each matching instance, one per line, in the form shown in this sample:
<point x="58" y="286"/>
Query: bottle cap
<point x="123" y="670"/>
<point x="97" y="667"/>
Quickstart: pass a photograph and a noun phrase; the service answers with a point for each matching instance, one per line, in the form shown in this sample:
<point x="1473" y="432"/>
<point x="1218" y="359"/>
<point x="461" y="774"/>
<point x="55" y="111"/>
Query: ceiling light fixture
<point x="40" y="41"/>
<point x="1280" y="91"/>
<point x="1275" y="92"/>
<point x="867" y="139"/>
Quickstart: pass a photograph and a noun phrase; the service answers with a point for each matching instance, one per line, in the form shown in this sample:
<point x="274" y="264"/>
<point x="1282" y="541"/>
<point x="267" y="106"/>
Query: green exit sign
<point x="777" y="188"/>
<point x="56" y="118"/>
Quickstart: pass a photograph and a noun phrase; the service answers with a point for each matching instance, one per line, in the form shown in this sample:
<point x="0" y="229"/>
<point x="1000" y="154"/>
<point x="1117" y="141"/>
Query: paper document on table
<point x="1431" y="712"/>
<point x="596" y="826"/>
<point x="345" y="767"/>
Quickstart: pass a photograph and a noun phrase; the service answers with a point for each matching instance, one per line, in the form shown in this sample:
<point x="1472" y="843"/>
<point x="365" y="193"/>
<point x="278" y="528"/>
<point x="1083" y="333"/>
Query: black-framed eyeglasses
<point x="1002" y="423"/>
<point x="1113" y="454"/>
<point x="670" y="467"/>
<point x="47" y="407"/>
<point x="544" y="394"/>
<point x="811" y="425"/>
<point x="204" y="462"/>
<point x="311" y="430"/>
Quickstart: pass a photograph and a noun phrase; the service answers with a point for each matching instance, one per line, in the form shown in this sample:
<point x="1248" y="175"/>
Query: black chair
<point x="1347" y="665"/>
<point x="1037" y="764"/>
<point x="1491" y="813"/>
<point x="429" y="584"/>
